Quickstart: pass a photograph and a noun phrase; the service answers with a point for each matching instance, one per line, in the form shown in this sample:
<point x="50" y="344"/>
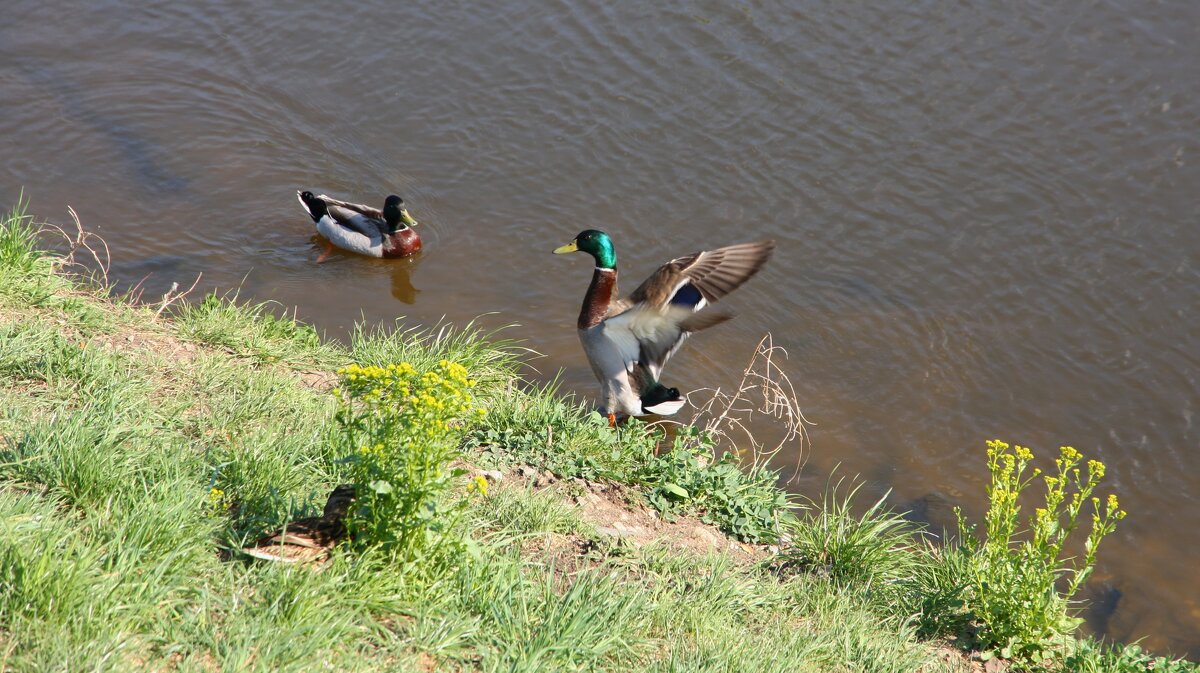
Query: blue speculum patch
<point x="687" y="295"/>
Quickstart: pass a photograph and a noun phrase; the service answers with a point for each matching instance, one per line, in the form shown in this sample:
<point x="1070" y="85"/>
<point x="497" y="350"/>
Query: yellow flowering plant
<point x="1015" y="574"/>
<point x="218" y="501"/>
<point x="400" y="429"/>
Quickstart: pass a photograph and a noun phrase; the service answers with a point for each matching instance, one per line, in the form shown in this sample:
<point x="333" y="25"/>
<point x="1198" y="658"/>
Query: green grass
<point x="1092" y="657"/>
<point x="524" y="511"/>
<point x="678" y="475"/>
<point x="117" y="425"/>
<point x="535" y="425"/>
<point x="253" y="331"/>
<point x="690" y="477"/>
<point x="24" y="270"/>
<point x="867" y="549"/>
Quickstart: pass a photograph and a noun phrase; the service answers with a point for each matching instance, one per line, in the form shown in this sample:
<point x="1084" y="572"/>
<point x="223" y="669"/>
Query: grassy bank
<point x="141" y="450"/>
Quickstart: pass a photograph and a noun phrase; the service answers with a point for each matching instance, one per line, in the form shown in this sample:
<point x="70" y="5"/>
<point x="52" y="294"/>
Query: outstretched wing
<point x="659" y="315"/>
<point x="702" y="278"/>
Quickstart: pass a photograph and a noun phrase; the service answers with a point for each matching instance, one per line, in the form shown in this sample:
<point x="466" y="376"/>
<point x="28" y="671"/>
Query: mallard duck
<point x="310" y="538"/>
<point x="386" y="233"/>
<point x="628" y="341"/>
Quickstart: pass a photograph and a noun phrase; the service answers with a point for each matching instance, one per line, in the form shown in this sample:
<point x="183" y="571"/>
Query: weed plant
<point x="1090" y="656"/>
<point x="743" y="501"/>
<point x="400" y="429"/>
<point x="1016" y="573"/>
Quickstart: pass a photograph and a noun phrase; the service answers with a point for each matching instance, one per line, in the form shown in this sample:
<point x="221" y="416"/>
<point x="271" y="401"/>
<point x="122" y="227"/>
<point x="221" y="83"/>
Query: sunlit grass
<point x="259" y="331"/>
<point x="851" y="549"/>
<point x="536" y="425"/>
<point x="492" y="359"/>
<point x="113" y="557"/>
<point x="20" y="253"/>
<point x="522" y="510"/>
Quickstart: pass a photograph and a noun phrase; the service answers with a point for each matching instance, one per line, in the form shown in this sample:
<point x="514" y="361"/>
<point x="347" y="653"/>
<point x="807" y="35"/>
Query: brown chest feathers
<point x="599" y="296"/>
<point x="401" y="244"/>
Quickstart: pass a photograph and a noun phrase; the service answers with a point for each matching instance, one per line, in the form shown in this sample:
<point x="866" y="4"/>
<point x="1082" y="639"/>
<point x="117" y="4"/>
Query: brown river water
<point x="987" y="215"/>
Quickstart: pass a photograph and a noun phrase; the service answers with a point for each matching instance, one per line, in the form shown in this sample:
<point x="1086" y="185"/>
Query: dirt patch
<point x="317" y="380"/>
<point x="565" y="555"/>
<point x="617" y="514"/>
<point x="129" y="341"/>
<point x="426" y="662"/>
<point x="612" y="514"/>
<point x="953" y="659"/>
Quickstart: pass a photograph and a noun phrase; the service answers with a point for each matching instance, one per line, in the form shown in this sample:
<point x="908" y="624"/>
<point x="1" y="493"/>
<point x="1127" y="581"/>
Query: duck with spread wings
<point x="628" y="341"/>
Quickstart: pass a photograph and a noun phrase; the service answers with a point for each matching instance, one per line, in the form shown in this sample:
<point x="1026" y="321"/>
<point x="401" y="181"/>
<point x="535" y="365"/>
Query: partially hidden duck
<point x="628" y="341"/>
<point x="308" y="539"/>
<point x="386" y="233"/>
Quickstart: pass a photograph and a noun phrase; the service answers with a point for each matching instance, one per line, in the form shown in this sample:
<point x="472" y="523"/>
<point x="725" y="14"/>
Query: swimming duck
<point x="628" y="341"/>
<point x="386" y="233"/>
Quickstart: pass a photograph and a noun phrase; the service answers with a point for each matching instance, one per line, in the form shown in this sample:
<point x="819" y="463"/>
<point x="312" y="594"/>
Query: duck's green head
<point x="595" y="243"/>
<point x="395" y="214"/>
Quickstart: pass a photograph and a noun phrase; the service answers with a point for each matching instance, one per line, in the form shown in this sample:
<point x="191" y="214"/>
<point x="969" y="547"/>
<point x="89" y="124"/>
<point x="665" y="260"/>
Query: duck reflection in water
<point x="402" y="287"/>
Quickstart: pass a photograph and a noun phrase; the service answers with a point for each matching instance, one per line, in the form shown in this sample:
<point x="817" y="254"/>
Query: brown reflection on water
<point x="987" y="219"/>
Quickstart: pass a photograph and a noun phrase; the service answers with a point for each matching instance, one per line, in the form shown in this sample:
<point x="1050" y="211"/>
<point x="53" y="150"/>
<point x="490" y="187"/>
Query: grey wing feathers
<point x="655" y="352"/>
<point x="660" y="322"/>
<point x="363" y="219"/>
<point x="373" y="213"/>
<point x="716" y="273"/>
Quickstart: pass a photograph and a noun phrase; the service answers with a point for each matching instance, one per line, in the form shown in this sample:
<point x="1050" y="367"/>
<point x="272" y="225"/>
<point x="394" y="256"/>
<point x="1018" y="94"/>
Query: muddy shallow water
<point x="988" y="220"/>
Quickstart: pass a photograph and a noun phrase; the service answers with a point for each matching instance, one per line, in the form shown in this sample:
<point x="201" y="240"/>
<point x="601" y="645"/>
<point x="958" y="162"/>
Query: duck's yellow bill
<point x="406" y="218"/>
<point x="570" y="247"/>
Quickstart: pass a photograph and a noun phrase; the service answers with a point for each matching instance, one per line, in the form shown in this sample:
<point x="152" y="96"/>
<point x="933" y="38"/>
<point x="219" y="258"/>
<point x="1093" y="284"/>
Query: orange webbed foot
<point x="326" y="252"/>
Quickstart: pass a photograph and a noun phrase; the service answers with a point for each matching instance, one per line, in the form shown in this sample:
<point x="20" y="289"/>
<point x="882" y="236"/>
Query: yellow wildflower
<point x="478" y="484"/>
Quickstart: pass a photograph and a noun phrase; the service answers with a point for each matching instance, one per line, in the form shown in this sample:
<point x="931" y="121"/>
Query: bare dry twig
<point x="764" y="390"/>
<point x="101" y="259"/>
<point x="135" y="293"/>
<point x="173" y="295"/>
<point x="83" y="240"/>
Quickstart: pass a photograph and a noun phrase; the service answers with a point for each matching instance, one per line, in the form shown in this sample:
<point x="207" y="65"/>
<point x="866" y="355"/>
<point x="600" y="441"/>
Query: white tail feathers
<point x="666" y="408"/>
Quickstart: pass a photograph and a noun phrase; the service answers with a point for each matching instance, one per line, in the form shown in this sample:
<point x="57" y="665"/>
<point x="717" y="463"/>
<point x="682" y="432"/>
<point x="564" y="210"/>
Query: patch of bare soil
<point x="317" y="380"/>
<point x="954" y="659"/>
<point x="130" y="341"/>
<point x="617" y="514"/>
